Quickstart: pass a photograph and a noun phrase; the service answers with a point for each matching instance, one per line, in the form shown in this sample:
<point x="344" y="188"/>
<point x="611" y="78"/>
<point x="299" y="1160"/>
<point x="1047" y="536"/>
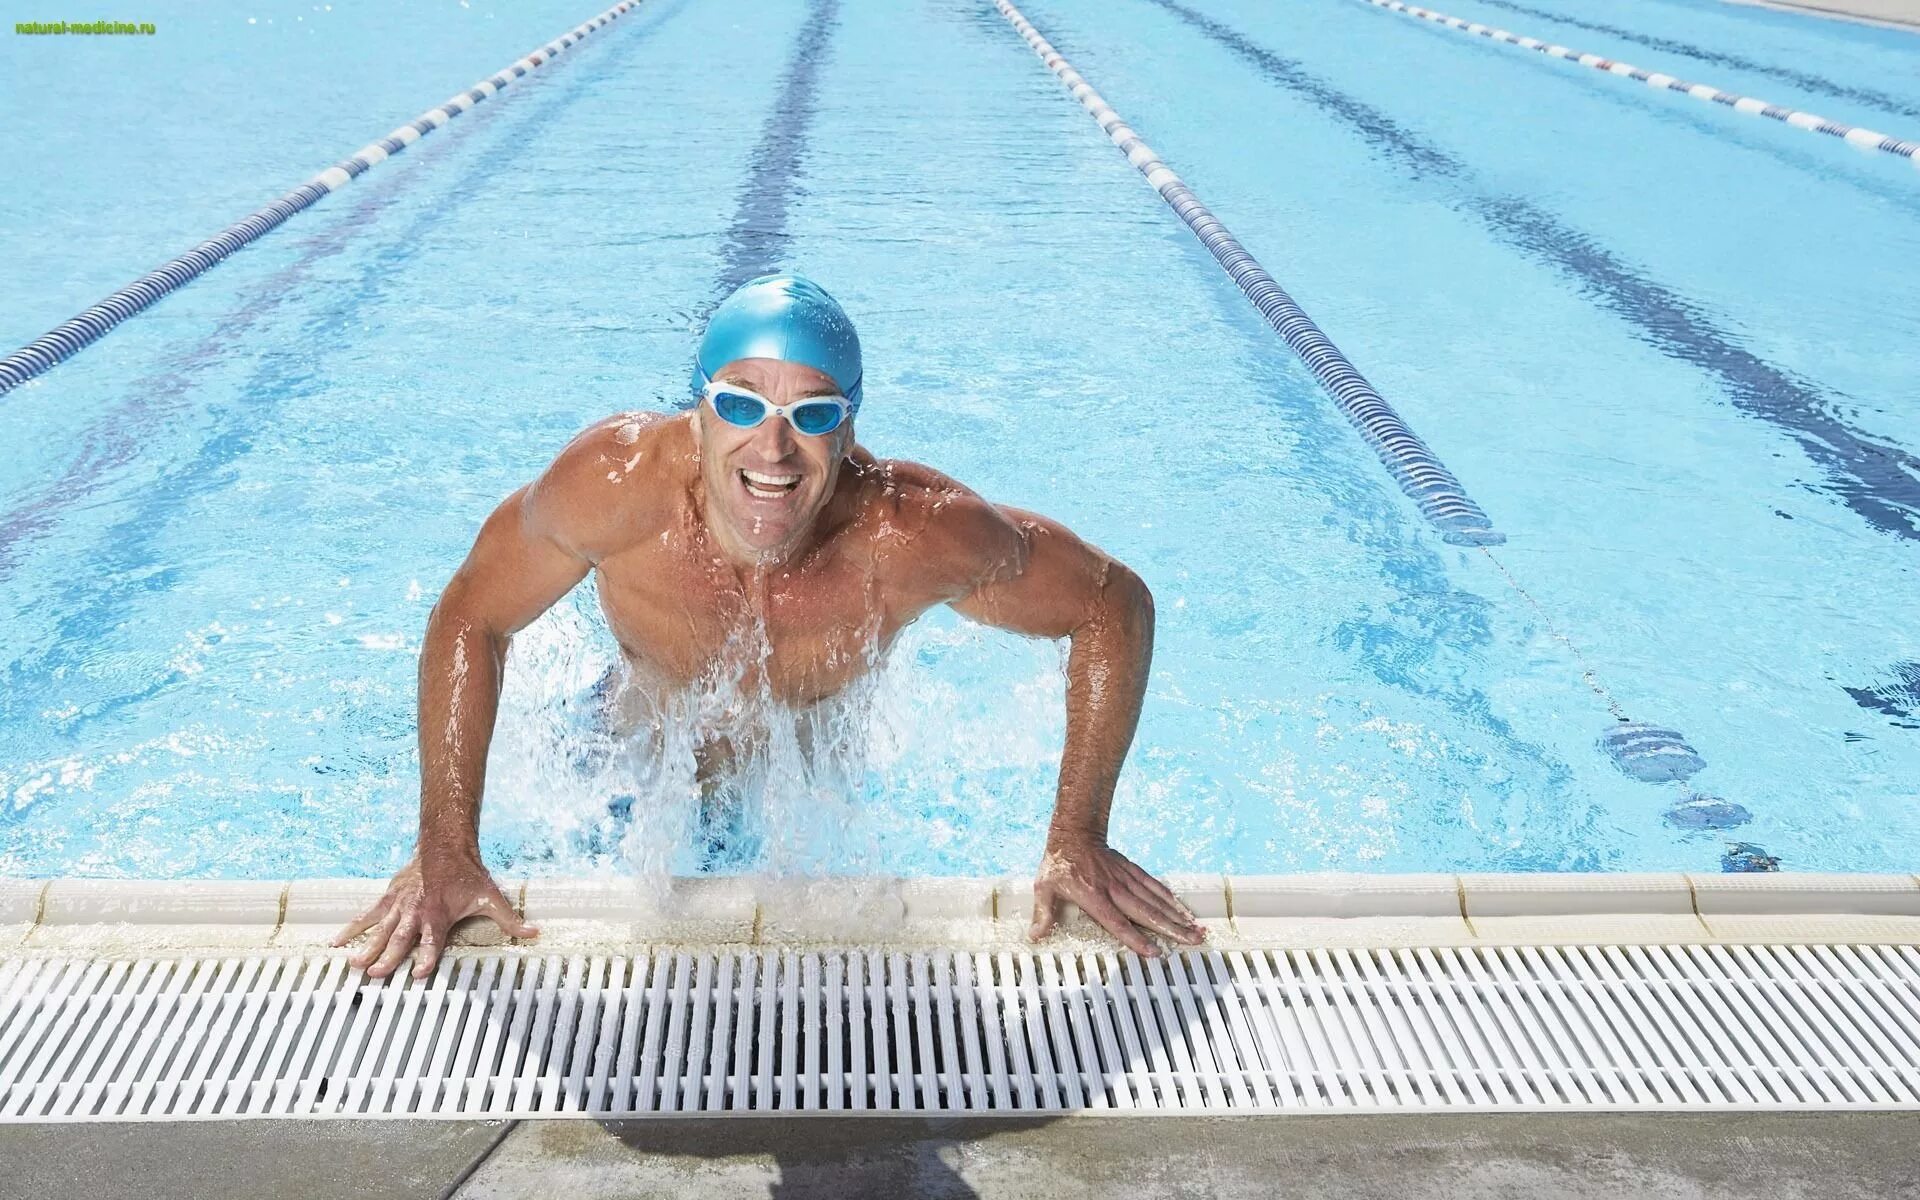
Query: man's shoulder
<point x="944" y="520"/>
<point x="901" y="487"/>
<point x="598" y="492"/>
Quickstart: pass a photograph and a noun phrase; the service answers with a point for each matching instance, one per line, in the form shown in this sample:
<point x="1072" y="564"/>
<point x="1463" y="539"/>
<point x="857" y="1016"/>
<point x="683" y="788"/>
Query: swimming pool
<point x="1664" y="346"/>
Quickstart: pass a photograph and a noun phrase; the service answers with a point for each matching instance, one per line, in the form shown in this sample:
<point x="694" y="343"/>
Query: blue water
<point x="1667" y="348"/>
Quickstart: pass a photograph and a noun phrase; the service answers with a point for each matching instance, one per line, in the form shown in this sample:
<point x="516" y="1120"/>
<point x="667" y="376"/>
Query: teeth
<point x="771" y="480"/>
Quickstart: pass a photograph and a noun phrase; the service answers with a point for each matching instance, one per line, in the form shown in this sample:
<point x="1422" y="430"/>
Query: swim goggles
<point x="742" y="407"/>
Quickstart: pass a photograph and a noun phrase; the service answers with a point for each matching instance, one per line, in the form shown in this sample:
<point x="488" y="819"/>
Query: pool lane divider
<point x="1642" y="751"/>
<point x="1866" y="140"/>
<point x="1426" y="481"/>
<point x="70" y="337"/>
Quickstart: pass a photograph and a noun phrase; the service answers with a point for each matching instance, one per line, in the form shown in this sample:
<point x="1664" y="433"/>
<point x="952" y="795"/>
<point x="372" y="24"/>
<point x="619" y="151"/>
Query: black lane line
<point x="1877" y="480"/>
<point x="1801" y="79"/>
<point x="757" y="241"/>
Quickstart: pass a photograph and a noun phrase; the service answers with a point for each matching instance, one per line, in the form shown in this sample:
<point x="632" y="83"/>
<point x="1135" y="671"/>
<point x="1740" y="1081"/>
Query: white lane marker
<point x="1420" y="474"/>
<point x="1867" y="140"/>
<point x="70" y="337"/>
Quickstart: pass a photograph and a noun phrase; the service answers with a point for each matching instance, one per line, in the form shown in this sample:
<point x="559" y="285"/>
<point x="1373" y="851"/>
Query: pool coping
<point x="68" y="916"/>
<point x="1840" y="10"/>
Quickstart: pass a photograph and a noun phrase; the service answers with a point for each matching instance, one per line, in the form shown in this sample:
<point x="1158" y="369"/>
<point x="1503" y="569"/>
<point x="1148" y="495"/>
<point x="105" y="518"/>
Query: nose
<point x="773" y="441"/>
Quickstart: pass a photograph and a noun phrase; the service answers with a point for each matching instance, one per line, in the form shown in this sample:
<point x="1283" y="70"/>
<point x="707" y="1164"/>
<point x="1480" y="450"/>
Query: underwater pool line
<point x="1420" y="474"/>
<point x="138" y="1001"/>
<point x="70" y="337"/>
<point x="1643" y="751"/>
<point x="1859" y="138"/>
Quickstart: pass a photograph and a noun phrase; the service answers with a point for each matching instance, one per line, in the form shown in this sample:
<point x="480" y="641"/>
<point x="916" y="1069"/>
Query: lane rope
<point x="1867" y="140"/>
<point x="1642" y="751"/>
<point x="1421" y="475"/>
<point x="70" y="337"/>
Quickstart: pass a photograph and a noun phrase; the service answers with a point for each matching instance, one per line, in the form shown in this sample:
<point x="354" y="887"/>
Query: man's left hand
<point x="1111" y="889"/>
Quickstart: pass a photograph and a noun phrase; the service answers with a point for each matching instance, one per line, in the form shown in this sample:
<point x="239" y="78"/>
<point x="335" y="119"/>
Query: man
<point x="756" y="511"/>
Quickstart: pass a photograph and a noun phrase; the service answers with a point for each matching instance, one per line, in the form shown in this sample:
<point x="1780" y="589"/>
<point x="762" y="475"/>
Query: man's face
<point x="766" y="485"/>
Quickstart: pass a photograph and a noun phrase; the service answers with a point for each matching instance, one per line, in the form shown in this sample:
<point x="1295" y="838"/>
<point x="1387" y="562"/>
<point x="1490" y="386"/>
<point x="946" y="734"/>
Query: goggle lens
<point x="737" y="408"/>
<point x="815" y="417"/>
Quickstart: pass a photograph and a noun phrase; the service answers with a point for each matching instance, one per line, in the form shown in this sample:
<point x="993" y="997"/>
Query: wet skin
<point x="829" y="549"/>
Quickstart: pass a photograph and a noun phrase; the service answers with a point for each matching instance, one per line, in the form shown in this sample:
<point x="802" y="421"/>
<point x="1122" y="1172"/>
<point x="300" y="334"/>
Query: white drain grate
<point x="1617" y="1027"/>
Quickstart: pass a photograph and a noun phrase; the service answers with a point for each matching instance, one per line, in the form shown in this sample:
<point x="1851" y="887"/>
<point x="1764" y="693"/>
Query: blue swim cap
<point x="784" y="316"/>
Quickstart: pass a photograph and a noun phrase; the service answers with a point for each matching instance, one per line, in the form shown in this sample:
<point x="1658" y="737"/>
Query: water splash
<point x="598" y="765"/>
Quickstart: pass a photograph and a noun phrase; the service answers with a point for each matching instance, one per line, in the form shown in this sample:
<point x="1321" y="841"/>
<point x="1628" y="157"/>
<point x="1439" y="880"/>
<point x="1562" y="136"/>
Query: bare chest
<point x="806" y="632"/>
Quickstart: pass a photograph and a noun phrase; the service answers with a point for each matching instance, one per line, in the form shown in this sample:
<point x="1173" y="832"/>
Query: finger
<point x="1161" y="890"/>
<point x="398" y="945"/>
<point x="364" y="921"/>
<point x="1045" y="912"/>
<point x="1115" y="922"/>
<point x="428" y="955"/>
<point x="1181" y="914"/>
<point x="376" y="941"/>
<point x="494" y="906"/>
<point x="1166" y="919"/>
<point x="1152" y="917"/>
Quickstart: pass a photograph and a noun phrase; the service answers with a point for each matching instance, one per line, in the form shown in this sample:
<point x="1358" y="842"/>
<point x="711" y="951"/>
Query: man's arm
<point x="1034" y="577"/>
<point x="526" y="558"/>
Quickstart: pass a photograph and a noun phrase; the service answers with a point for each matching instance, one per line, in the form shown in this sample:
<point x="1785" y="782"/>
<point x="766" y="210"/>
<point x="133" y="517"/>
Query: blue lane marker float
<point x="70" y="337"/>
<point x="1420" y="474"/>
<point x="1861" y="139"/>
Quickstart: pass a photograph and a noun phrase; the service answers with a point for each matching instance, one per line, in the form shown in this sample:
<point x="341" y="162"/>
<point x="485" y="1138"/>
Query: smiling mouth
<point x="764" y="486"/>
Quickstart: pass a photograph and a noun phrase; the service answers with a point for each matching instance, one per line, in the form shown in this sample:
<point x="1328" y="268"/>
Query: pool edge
<point x="67" y="915"/>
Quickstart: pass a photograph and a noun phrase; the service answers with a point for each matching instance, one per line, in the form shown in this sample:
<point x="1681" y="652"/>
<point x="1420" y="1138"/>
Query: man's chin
<point x="766" y="533"/>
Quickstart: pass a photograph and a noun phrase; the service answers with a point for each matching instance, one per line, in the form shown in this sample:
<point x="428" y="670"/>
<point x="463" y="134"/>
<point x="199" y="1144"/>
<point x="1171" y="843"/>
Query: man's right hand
<point x="422" y="905"/>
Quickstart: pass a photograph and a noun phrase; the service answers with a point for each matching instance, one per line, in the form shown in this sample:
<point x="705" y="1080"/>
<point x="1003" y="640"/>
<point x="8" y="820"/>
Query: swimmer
<point x="756" y="509"/>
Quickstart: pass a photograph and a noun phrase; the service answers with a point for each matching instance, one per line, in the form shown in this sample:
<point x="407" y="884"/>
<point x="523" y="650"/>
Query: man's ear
<point x="696" y="424"/>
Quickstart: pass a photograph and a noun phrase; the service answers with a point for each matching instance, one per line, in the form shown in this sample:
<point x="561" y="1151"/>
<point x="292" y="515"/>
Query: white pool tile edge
<point x="1277" y="911"/>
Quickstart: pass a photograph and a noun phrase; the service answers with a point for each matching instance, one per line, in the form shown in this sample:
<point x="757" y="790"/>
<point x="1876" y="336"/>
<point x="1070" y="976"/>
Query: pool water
<point x="1667" y="348"/>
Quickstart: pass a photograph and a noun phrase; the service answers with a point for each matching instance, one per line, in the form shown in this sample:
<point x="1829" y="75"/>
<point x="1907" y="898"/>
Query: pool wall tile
<point x="80" y="914"/>
<point x="1795" y="907"/>
<point x="318" y="908"/>
<point x="19" y="909"/>
<point x="150" y="902"/>
<point x="1540" y="895"/>
<point x="614" y="912"/>
<point x="1345" y="895"/>
<point x="318" y="901"/>
<point x="1343" y="910"/>
<point x="926" y="912"/>
<point x="1561" y="910"/>
<point x="1812" y="892"/>
<point x="584" y="900"/>
<point x="20" y="900"/>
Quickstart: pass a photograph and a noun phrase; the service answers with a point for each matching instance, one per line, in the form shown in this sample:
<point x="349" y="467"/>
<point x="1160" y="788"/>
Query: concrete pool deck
<point x="1784" y="1156"/>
